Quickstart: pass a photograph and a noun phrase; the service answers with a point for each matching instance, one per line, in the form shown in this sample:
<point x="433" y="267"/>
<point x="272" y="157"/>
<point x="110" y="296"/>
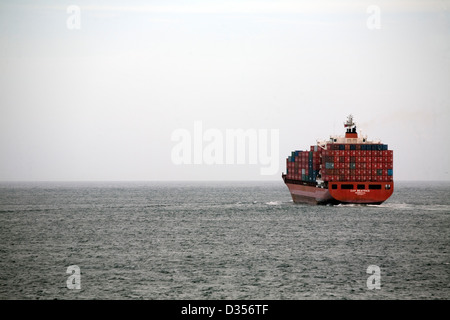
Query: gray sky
<point x="102" y="102"/>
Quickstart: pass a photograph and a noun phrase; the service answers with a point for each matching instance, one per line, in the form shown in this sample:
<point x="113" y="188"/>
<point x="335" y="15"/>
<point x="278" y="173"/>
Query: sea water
<point x="219" y="240"/>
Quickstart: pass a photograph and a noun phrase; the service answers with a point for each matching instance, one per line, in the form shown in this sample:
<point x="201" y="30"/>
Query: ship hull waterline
<point x="308" y="194"/>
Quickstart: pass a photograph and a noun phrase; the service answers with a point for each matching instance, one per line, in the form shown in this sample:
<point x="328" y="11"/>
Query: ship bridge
<point x="351" y="136"/>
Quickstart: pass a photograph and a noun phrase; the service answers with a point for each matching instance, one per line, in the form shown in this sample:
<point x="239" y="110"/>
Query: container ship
<point x="343" y="169"/>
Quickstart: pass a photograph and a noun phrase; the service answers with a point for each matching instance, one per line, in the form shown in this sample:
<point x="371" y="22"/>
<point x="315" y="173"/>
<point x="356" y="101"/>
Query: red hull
<point x="361" y="193"/>
<point x="368" y="192"/>
<point x="308" y="194"/>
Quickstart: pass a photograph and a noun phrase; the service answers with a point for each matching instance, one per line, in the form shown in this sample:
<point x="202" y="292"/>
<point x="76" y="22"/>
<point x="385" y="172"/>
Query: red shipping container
<point x="363" y="178"/>
<point x="347" y="178"/>
<point x="353" y="153"/>
<point x="358" y="153"/>
<point x="390" y="153"/>
<point x="347" y="159"/>
<point x="384" y="153"/>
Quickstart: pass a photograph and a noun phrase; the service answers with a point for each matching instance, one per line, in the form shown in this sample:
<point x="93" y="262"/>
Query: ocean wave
<point x="413" y="207"/>
<point x="274" y="203"/>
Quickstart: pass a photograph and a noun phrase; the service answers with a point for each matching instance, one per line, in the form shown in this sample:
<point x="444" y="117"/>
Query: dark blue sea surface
<point x="219" y="240"/>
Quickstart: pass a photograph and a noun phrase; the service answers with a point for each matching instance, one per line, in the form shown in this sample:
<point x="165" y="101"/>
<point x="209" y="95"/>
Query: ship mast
<point x="351" y="128"/>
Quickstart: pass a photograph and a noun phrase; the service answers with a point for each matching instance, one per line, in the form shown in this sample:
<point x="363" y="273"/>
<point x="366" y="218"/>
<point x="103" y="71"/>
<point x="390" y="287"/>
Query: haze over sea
<point x="219" y="240"/>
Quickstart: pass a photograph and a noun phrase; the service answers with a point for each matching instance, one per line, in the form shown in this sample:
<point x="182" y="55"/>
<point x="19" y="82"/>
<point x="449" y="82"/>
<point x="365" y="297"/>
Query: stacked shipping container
<point x="342" y="162"/>
<point x="304" y="165"/>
